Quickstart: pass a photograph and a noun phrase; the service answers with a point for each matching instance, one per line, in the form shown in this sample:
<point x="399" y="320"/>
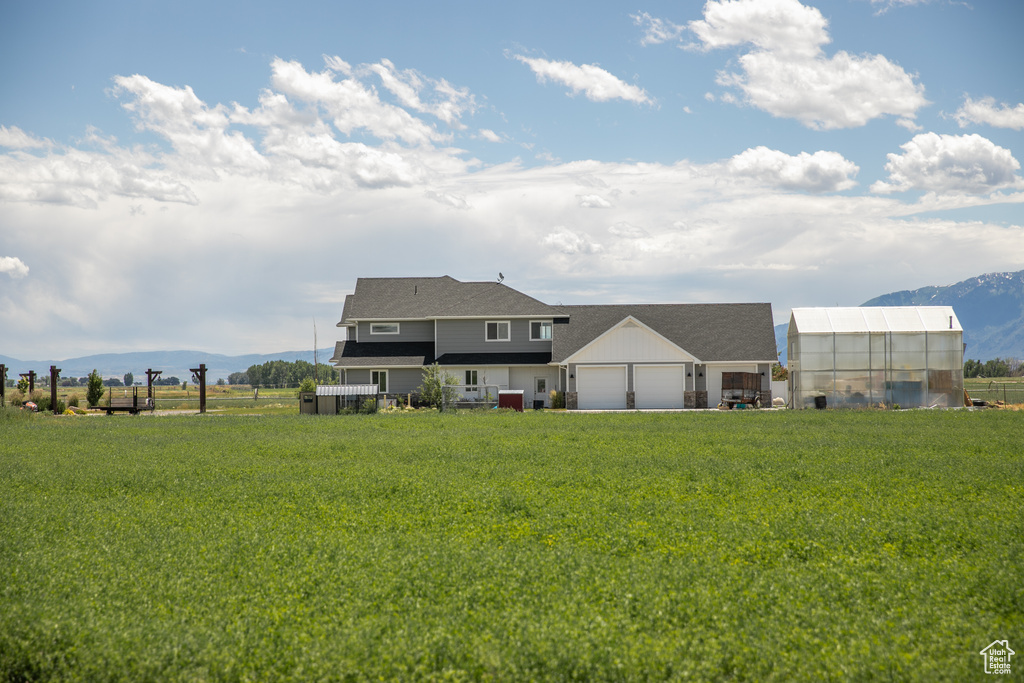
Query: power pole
<point x="3" y="384"/>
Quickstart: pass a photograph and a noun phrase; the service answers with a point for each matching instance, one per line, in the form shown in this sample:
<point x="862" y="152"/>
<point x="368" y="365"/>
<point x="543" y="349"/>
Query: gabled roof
<point x="874" y="319"/>
<point x="710" y="332"/>
<point x="412" y="298"/>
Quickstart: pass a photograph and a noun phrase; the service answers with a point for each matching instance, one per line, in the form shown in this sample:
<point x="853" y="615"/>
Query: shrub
<point x="307" y="385"/>
<point x="73" y="402"/>
<point x="369" y="405"/>
<point x="557" y="398"/>
<point x="435" y="389"/>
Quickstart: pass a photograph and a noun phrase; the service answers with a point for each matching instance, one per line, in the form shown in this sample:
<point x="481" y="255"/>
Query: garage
<point x="658" y="386"/>
<point x="601" y="388"/>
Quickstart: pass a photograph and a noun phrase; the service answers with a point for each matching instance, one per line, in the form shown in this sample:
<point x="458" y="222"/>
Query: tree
<point x="435" y="388"/>
<point x="129" y="379"/>
<point x="112" y="382"/>
<point x="238" y="378"/>
<point x="779" y="373"/>
<point x="94" y="392"/>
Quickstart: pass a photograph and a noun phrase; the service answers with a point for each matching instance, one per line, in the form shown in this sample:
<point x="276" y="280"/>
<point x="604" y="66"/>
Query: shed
<point x="511" y="398"/>
<point x="330" y="397"/>
<point x="911" y="356"/>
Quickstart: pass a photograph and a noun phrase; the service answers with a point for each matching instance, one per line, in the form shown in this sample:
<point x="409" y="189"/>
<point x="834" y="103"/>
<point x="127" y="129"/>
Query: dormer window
<point x="498" y="330"/>
<point x="540" y="330"/>
<point x="384" y="328"/>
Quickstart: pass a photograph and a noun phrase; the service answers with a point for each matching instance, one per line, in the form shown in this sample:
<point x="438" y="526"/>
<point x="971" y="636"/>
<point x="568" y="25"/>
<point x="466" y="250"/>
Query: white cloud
<point x="819" y="172"/>
<point x="198" y="133"/>
<point x="13" y="266"/>
<point x="593" y="201"/>
<point x="449" y="104"/>
<point x="782" y="26"/>
<point x="456" y="201"/>
<point x="656" y="31"/>
<point x="789" y="76"/>
<point x="352" y="105"/>
<point x="950" y="164"/>
<point x="624" y="229"/>
<point x="489" y="135"/>
<point x="594" y="82"/>
<point x="571" y="243"/>
<point x="16" y="138"/>
<point x="985" y="111"/>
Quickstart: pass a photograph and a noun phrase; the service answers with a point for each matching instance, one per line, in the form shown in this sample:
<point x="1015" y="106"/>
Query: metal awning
<point x="347" y="390"/>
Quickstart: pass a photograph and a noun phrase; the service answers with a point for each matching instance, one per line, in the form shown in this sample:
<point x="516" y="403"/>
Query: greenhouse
<point x="906" y="356"/>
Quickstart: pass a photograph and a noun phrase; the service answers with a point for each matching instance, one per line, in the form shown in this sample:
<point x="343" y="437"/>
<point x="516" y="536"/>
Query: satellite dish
<point x="500" y="277"/>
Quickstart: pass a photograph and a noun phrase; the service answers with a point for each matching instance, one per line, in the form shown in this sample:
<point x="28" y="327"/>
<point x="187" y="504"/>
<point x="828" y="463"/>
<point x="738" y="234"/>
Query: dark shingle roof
<point x="382" y="354"/>
<point x="711" y="332"/>
<point x="406" y="298"/>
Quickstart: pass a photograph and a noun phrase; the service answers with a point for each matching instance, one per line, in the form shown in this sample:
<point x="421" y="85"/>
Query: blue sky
<point x="217" y="175"/>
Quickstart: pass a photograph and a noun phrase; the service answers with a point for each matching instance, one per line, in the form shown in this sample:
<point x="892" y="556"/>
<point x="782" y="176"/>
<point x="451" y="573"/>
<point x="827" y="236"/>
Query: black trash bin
<point x="820" y="402"/>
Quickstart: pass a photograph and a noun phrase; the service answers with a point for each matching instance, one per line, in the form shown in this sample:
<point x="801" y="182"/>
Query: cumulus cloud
<point x="656" y="31"/>
<point x="13" y="266"/>
<point x="985" y="111"/>
<point x="15" y="138"/>
<point x="594" y="82"/>
<point x="788" y="75"/>
<point x="449" y="103"/>
<point x="571" y="243"/>
<point x="819" y="172"/>
<point x="593" y="201"/>
<point x="489" y="135"/>
<point x="950" y="164"/>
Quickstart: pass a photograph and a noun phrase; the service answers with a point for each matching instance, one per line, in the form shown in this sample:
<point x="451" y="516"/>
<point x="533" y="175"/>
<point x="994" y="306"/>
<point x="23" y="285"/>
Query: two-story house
<point x="491" y="337"/>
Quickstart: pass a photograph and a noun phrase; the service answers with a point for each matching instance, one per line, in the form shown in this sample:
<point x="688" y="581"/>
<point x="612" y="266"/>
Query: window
<point x="383" y="328"/>
<point x="540" y="330"/>
<point x="541" y="385"/>
<point x="471" y="380"/>
<point x="380" y="378"/>
<point x="498" y="330"/>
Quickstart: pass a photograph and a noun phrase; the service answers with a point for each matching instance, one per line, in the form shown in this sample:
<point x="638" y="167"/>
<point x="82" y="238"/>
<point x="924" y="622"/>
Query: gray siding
<point x="410" y="331"/>
<point x="400" y="380"/>
<point x="468" y="336"/>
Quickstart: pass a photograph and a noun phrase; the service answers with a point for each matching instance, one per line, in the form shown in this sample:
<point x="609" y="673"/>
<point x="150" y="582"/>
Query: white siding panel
<point x="659" y="386"/>
<point x="630" y="343"/>
<point x="601" y="388"/>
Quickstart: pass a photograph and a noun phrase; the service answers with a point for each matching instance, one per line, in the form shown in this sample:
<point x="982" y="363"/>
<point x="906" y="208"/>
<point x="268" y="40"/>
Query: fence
<point x="1007" y="392"/>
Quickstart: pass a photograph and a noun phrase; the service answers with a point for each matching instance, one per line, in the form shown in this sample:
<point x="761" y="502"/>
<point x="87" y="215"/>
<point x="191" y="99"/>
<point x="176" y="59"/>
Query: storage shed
<point x="911" y="356"/>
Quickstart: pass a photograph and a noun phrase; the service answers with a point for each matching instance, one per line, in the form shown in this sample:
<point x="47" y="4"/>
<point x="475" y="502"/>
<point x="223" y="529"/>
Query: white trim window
<point x="380" y="378"/>
<point x="498" y="331"/>
<point x="540" y="330"/>
<point x="384" y="328"/>
<point x="471" y="380"/>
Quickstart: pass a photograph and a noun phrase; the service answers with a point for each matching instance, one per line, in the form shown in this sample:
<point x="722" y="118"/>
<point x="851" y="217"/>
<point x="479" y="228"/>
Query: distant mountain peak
<point x="990" y="308"/>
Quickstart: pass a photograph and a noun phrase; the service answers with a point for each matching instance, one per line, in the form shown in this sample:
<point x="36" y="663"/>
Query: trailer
<point x="129" y="404"/>
<point x="741" y="389"/>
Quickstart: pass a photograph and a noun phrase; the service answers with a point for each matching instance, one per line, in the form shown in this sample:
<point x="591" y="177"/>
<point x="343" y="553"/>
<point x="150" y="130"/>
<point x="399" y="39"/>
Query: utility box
<point x="511" y="398"/>
<point x="307" y="403"/>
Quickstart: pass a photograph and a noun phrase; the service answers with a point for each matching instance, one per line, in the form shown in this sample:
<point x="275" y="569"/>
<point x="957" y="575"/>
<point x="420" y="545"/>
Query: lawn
<point x="743" y="546"/>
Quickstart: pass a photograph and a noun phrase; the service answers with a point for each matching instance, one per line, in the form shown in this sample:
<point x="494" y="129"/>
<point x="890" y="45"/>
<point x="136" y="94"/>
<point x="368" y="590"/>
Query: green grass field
<point x="725" y="546"/>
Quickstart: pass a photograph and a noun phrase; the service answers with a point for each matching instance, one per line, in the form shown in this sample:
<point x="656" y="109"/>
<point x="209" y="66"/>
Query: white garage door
<point x="601" y="388"/>
<point x="658" y="386"/>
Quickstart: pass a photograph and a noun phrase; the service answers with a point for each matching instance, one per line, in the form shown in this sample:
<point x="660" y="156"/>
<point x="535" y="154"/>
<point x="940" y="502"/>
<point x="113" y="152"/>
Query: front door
<point x="540" y="390"/>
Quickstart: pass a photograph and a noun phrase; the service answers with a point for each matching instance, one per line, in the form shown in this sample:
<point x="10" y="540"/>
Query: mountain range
<point x="990" y="308"/>
<point x="172" y="363"/>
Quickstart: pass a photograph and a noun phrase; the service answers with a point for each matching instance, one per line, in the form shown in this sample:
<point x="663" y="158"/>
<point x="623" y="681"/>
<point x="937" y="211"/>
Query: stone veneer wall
<point x="630" y="400"/>
<point x="571" y="402"/>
